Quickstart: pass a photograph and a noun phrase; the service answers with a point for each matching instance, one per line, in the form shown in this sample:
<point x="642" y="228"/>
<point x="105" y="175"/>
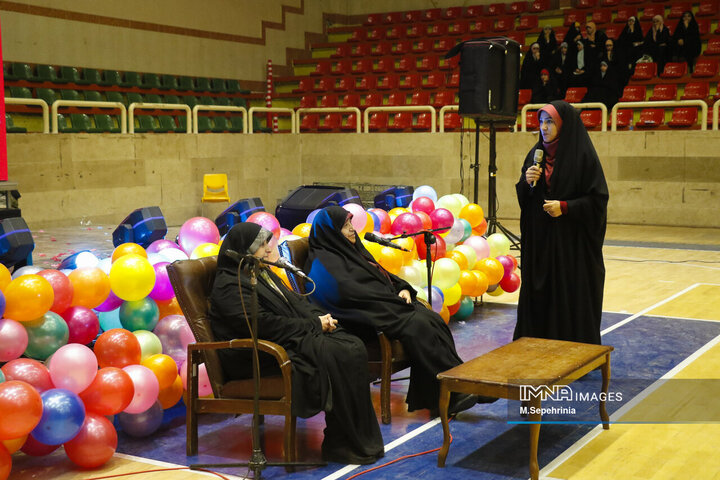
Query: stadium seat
<point x="366" y="82"/>
<point x="442" y="98"/>
<point x="70" y="95"/>
<point x="684" y="117"/>
<point x="495" y="9"/>
<point x="434" y="80"/>
<point x="382" y="48"/>
<point x="573" y="16"/>
<point x="704" y="25"/>
<point x="609" y="3"/>
<point x="528" y="22"/>
<point x="454" y="80"/>
<point x="560" y="33"/>
<point x="322" y="67"/>
<point x="80" y="123"/>
<point x="644" y="71"/>
<point x="422" y="45"/>
<point x="406" y="63"/>
<point x="524" y="96"/>
<point x="677" y="9"/>
<point x="452" y="121"/>
<point x="504" y="23"/>
<point x="427" y="63"/>
<point x="373" y="19"/>
<point x="392" y="18"/>
<point x="649" y="11"/>
<point x="459" y="27"/>
<point x="592" y="119"/>
<point x="481" y="25"/>
<point x="21" y="71"/>
<point x="10" y="125"/>
<point x="104" y="124"/>
<point x="664" y="91"/>
<point x="613" y="31"/>
<point x="308" y="101"/>
<point x="623" y="13"/>
<point x="328" y="100"/>
<point x="586" y="4"/>
<point x="539" y="6"/>
<point x="373" y="100"/>
<point x="705" y="67"/>
<point x="90" y="76"/>
<point x="651" y="118"/>
<point x="634" y="2"/>
<point x="112" y="96"/>
<point x="222" y="101"/>
<point x="601" y="16"/>
<point x="131" y="79"/>
<point x="378" y="121"/>
<point x="341" y="51"/>
<point x="443" y="45"/>
<point x="220" y="125"/>
<point x="20" y="92"/>
<point x="133" y="97"/>
<point x="474" y="11"/>
<point x="412" y="16"/>
<point x="376" y="34"/>
<point x="351" y="100"/>
<point x="171" y="99"/>
<point x="707" y="8"/>
<point x="342" y="67"/>
<point x="205" y="124"/>
<point x="236" y="124"/>
<point x="233" y="86"/>
<point x="217" y="85"/>
<point x="168" y="82"/>
<point x="387" y="81"/>
<point x="420" y="98"/>
<point x="517" y="8"/>
<point x="305" y="84"/>
<point x="46" y="73"/>
<point x="204" y="99"/>
<point x="395" y="32"/>
<point x="674" y="70"/>
<point x="69" y="75"/>
<point x="401" y="121"/>
<point x="186" y="83"/>
<point x="384" y="65"/>
<point x="696" y="91"/>
<point x="357" y="35"/>
<point x="449" y="63"/>
<point x="410" y="81"/>
<point x="345" y="84"/>
<point x="360" y="49"/>
<point x="452" y="13"/>
<point x="575" y="94"/>
<point x="431" y="15"/>
<point x="330" y="122"/>
<point x="423" y="121"/>
<point x="633" y="93"/>
<point x="93" y="96"/>
<point x="624" y="118"/>
<point x="363" y="66"/>
<point x="415" y="30"/>
<point x="519" y="37"/>
<point x="47" y="94"/>
<point x="437" y="29"/>
<point x="151" y="80"/>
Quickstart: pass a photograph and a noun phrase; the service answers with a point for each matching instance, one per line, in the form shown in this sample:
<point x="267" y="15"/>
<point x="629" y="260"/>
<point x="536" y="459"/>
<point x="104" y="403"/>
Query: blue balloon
<point x="425" y="191"/>
<point x="376" y="221"/>
<point x="109" y="320"/>
<point x="62" y="417"/>
<point x="2" y="304"/>
<point x="141" y="424"/>
<point x="311" y="215"/>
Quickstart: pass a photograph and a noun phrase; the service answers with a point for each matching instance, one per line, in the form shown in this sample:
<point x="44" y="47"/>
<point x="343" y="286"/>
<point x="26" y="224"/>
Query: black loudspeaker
<point x="238" y="212"/>
<point x="295" y="208"/>
<point x="16" y="243"/>
<point x="143" y="226"/>
<point x="397" y="196"/>
<point x="489" y="71"/>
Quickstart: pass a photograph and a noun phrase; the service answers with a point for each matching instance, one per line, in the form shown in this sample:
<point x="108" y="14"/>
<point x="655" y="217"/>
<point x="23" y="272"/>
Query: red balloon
<point x="507" y="263"/>
<point x="21" y="408"/>
<point x="5" y="462"/>
<point x="83" y="324"/>
<point x="442" y="218"/>
<point x="406" y="223"/>
<point x="36" y="449"/>
<point x="510" y="283"/>
<point x="437" y="249"/>
<point x="110" y="393"/>
<point x="62" y="288"/>
<point x="29" y="371"/>
<point x="453" y="309"/>
<point x="117" y="348"/>
<point x="426" y="221"/>
<point x="94" y="444"/>
<point x="422" y="204"/>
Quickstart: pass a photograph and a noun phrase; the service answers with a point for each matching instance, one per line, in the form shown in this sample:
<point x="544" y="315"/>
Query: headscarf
<point x="245" y="239"/>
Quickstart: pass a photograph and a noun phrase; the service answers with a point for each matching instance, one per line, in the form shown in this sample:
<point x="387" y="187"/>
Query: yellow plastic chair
<point x="215" y="188"/>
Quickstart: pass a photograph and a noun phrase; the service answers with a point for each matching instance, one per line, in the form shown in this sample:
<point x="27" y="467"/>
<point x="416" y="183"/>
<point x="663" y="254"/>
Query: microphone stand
<point x="258" y="462"/>
<point x="429" y="239"/>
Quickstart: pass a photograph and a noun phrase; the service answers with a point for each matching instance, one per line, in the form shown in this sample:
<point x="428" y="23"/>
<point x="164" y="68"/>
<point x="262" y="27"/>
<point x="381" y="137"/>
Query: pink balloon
<point x="196" y="231"/>
<point x="284" y="232"/>
<point x="13" y="339"/>
<point x="442" y="218"/>
<point x="163" y="289"/>
<point x="82" y="323"/>
<point x="111" y="303"/>
<point x="175" y="335"/>
<point x="204" y="388"/>
<point x="406" y="223"/>
<point x="422" y="204"/>
<point x="29" y="371"/>
<point x="146" y="386"/>
<point x="267" y="221"/>
<point x="73" y="367"/>
<point x="508" y="265"/>
<point x="161" y="244"/>
<point x="479" y="244"/>
<point x="359" y="219"/>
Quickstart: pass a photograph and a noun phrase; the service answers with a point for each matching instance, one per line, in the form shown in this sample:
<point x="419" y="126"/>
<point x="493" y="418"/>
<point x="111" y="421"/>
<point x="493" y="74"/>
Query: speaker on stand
<point x="489" y="71"/>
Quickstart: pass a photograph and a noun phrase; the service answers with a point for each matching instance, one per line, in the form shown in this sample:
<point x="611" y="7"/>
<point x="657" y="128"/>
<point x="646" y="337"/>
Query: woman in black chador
<point x="329" y="365"/>
<point x="562" y="221"/>
<point x="686" y="40"/>
<point x="364" y="296"/>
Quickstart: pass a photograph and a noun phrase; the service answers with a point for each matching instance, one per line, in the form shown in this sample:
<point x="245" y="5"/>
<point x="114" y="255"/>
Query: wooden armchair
<point x="385" y="356"/>
<point x="192" y="281"/>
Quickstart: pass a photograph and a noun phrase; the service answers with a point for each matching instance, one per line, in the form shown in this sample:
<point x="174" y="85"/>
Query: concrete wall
<point x="656" y="178"/>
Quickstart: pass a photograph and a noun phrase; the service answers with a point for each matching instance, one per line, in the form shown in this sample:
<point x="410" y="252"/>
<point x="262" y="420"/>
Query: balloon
<point x="164" y="368"/>
<point x="2" y="376"/>
<point x="45" y="335"/>
<point x="450" y="203"/>
<point x="499" y="244"/>
<point x="442" y="218"/>
<point x="445" y="314"/>
<point x="372" y="247"/>
<point x="171" y="395"/>
<point x="358" y="215"/>
<point x="21" y="408"/>
<point x="436" y="297"/>
<point x="492" y="268"/>
<point x="447" y="273"/>
<point x="149" y="344"/>
<point x="158" y="245"/>
<point x="267" y="221"/>
<point x="422" y="204"/>
<point x="173" y="254"/>
<point x="12" y="445"/>
<point x="112" y="302"/>
<point x="142" y="314"/>
<point x="132" y="277"/>
<point x="311" y="215"/>
<point x="83" y="324"/>
<point x="482" y="285"/>
<point x="204" y="387"/>
<point x="452" y="295"/>
<point x="425" y="191"/>
<point x="175" y="335"/>
<point x="456" y="232"/>
<point x="459" y="258"/>
<point x="62" y="289"/>
<point x="406" y="223"/>
<point x="511" y="283"/>
<point x="507" y="263"/>
<point x="143" y="423"/>
<point x="63" y="414"/>
<point x="466" y="308"/>
<point x="73" y="367"/>
<point x="468" y="282"/>
<point x="195" y="231"/>
<point x="480" y="229"/>
<point x="5" y="277"/>
<point x="480" y="245"/>
<point x="13" y="339"/>
<point x="473" y="214"/>
<point x="26" y="270"/>
<point x="467" y="230"/>
<point x="105" y="265"/>
<point x="37" y="449"/>
<point x="169" y="307"/>
<point x="146" y="388"/>
<point x="391" y="259"/>
<point x="205" y="250"/>
<point x="420" y="292"/>
<point x="410" y="274"/>
<point x="110" y="320"/>
<point x="469" y="253"/>
<point x="302" y="230"/>
<point x="110" y="392"/>
<point x="91" y="286"/>
<point x="94" y="444"/>
<point x="28" y="297"/>
<point x="384" y="218"/>
<point x="29" y="371"/>
<point x="5" y="463"/>
<point x="128" y="249"/>
<point x="437" y="249"/>
<point x="425" y="219"/>
<point x="495" y="292"/>
<point x="117" y="348"/>
<point x="461" y="198"/>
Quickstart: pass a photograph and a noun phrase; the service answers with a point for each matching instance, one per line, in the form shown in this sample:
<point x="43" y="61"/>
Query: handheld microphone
<point x="537" y="161"/>
<point x="371" y="237"/>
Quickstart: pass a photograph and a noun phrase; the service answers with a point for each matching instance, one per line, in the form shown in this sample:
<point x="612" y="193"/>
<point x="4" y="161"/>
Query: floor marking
<point x="159" y="463"/>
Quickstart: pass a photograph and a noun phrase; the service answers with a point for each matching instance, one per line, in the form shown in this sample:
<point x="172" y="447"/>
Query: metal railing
<point x="33" y="101"/>
<point x="668" y="103"/>
<point x="290" y="111"/>
<point x="578" y="106"/>
<point x="84" y="103"/>
<point x="407" y="108"/>
<point x="218" y="108"/>
<point x="355" y="110"/>
<point x="446" y="108"/>
<point x="157" y="106"/>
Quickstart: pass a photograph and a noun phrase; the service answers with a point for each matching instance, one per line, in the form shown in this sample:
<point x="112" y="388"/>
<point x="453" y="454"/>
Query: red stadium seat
<point x="378" y="121"/>
<point x="623" y="13"/>
<point x="329" y="100"/>
<point x="684" y="117"/>
<point x="392" y="18"/>
<point x="474" y="11"/>
<point x="427" y="63"/>
<point x="410" y="81"/>
<point x="531" y="122"/>
<point x="664" y="91"/>
<point x="363" y="65"/>
<point x="518" y="7"/>
<point x="624" y="118"/>
<point x="358" y="35"/>
<point x="412" y="16"/>
<point x="384" y="65"/>
<point x="454" y="80"/>
<point x="705" y="67"/>
<point x="349" y="122"/>
<point x="373" y="19"/>
<point x="517" y="36"/>
<point x="528" y="22"/>
<point x="704" y="25"/>
<point x="322" y="67"/>
<point x="387" y="82"/>
<point x="609" y="3"/>
<point x="443" y="45"/>
<point x="308" y="101"/>
<point x="495" y="9"/>
<point x="376" y="34"/>
<point x="707" y="8"/>
<point x="342" y="67"/>
<point x="452" y="13"/>
<point x="505" y="23"/>
<point x="481" y="25"/>
<point x="539" y="6"/>
<point x="325" y="84"/>
<point x="402" y="47"/>
<point x="423" y="122"/>
<point x="422" y="45"/>
<point x="434" y="80"/>
<point x="366" y="82"/>
<point x="612" y="31"/>
<point x="452" y="121"/>
<point x="442" y="98"/>
<point x="649" y="11"/>
<point x="331" y="121"/>
<point x="671" y="24"/>
<point x="304" y="85"/>
<point x="382" y="48"/>
<point x="674" y="70"/>
<point x="459" y="27"/>
<point x="373" y="100"/>
<point x="560" y="33"/>
<point x="420" y="98"/>
<point x="397" y="99"/>
<point x="395" y="32"/>
<point x="573" y="16"/>
<point x="401" y="121"/>
<point x="651" y="118"/>
<point x="677" y="9"/>
<point x="575" y="94"/>
<point x="634" y="93"/>
<point x="407" y="63"/>
<point x="644" y="71"/>
<point x="449" y="63"/>
<point x="437" y="29"/>
<point x="634" y="2"/>
<point x="524" y="96"/>
<point x="351" y="100"/>
<point x="601" y="16"/>
<point x="361" y="50"/>
<point x="431" y="15"/>
<point x="341" y="51"/>
<point x="592" y="119"/>
<point x="415" y="30"/>
<point x="586" y="4"/>
<point x="309" y="123"/>
<point x="696" y="91"/>
<point x="345" y="84"/>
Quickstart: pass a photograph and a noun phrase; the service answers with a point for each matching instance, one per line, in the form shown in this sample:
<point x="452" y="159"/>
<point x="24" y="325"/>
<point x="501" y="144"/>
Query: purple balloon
<point x="406" y="223"/>
<point x="161" y="244"/>
<point x="436" y="298"/>
<point x="311" y="215"/>
<point x="175" y="335"/>
<point x="163" y="289"/>
<point x="2" y="304"/>
<point x="111" y="303"/>
<point x="13" y="339"/>
<point x="196" y="231"/>
<point x="141" y="424"/>
<point x="82" y="323"/>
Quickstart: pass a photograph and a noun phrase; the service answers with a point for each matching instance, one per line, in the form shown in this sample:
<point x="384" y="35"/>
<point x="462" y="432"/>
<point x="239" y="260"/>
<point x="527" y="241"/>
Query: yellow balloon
<point x="132" y="277"/>
<point x="373" y="248"/>
<point x="205" y="250"/>
<point x="452" y="294"/>
<point x="408" y="244"/>
<point x="391" y="259"/>
<point x="302" y="230"/>
<point x="497" y="292"/>
<point x="5" y="277"/>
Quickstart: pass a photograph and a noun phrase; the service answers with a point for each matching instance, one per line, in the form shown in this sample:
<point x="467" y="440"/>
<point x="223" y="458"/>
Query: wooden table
<point x="501" y="373"/>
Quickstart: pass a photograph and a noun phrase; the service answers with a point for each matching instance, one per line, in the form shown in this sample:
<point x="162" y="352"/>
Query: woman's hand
<point x="552" y="207"/>
<point x="328" y="323"/>
<point x="405" y="295"/>
<point x="532" y="174"/>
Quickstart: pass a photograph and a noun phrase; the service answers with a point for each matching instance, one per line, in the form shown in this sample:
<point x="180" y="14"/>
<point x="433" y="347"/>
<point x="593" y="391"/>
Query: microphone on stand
<point x="280" y="263"/>
<point x="537" y="161"/>
<point x="371" y="237"/>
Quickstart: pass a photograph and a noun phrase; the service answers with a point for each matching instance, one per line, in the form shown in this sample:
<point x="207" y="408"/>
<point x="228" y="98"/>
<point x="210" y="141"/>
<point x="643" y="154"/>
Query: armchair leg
<point x="290" y="441"/>
<point x="385" y="396"/>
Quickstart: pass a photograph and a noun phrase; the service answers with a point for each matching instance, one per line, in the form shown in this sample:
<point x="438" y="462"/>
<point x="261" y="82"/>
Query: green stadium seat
<point x="204" y="124"/>
<point x="115" y="97"/>
<point x="145" y="124"/>
<point x="104" y="124"/>
<point x="81" y="122"/>
<point x="111" y="77"/>
<point x="169" y="82"/>
<point x="236" y="124"/>
<point x="232" y="86"/>
<point x="20" y="92"/>
<point x="190" y="100"/>
<point x="186" y="83"/>
<point x="10" y="126"/>
<point x="63" y="126"/>
<point x="70" y="95"/>
<point x="22" y="71"/>
<point x="171" y="99"/>
<point x="69" y="75"/>
<point x="217" y="85"/>
<point x="167" y="124"/>
<point x="131" y="79"/>
<point x="222" y="101"/>
<point x="182" y="123"/>
<point x="93" y="96"/>
<point x="46" y="73"/>
<point x="202" y="84"/>
<point x="133" y="97"/>
<point x="221" y="125"/>
<point x="90" y="76"/>
<point x="47" y="94"/>
<point x="206" y="100"/>
<point x="151" y="80"/>
<point x="152" y="98"/>
<point x="7" y="72"/>
<point x="239" y="102"/>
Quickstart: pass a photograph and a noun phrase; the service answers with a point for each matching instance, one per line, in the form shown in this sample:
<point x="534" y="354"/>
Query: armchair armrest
<point x="266" y="346"/>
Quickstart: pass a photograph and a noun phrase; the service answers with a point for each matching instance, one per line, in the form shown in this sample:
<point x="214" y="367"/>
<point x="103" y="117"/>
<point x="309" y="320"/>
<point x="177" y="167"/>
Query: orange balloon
<point x="492" y="268"/>
<point x="5" y="277"/>
<point x="91" y="287"/>
<point x="28" y="297"/>
<point x="409" y="244"/>
<point x="468" y="282"/>
<point x="164" y="368"/>
<point x="126" y="249"/>
<point x="171" y="395"/>
<point x="473" y="213"/>
<point x="453" y="309"/>
<point x="425" y="218"/>
<point x="21" y="407"/>
<point x="482" y="283"/>
<point x="117" y="348"/>
<point x="480" y="229"/>
<point x="391" y="259"/>
<point x="445" y="314"/>
<point x="168" y="307"/>
<point x="459" y="258"/>
<point x="302" y="230"/>
<point x="14" y="444"/>
<point x="280" y="272"/>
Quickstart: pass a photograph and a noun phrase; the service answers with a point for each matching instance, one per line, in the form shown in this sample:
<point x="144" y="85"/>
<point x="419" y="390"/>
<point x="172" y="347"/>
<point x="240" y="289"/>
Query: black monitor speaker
<point x="238" y="212"/>
<point x="397" y="196"/>
<point x="16" y="243"/>
<point x="295" y="208"/>
<point x="143" y="226"/>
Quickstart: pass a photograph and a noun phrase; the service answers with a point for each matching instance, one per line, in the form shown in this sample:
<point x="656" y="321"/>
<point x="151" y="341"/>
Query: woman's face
<point x="686" y="17"/>
<point x="264" y="251"/>
<point x="548" y="129"/>
<point x="609" y="45"/>
<point x="631" y="21"/>
<point x="348" y="231"/>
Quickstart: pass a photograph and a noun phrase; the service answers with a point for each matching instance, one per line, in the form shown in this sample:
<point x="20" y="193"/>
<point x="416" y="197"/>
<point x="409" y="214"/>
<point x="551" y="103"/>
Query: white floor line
<point x="159" y="463"/>
<point x="395" y="443"/>
<point x="560" y="459"/>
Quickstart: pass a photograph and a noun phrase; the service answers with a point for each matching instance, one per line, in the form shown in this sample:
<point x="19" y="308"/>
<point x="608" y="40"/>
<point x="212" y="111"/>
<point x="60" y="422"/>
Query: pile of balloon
<point x="87" y="350"/>
<point x="465" y="263"/>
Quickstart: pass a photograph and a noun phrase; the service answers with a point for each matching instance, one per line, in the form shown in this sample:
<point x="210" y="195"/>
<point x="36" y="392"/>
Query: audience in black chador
<point x="594" y="44"/>
<point x="604" y="86"/>
<point x="531" y="66"/>
<point x="686" y="40"/>
<point x="630" y="42"/>
<point x="562" y="67"/>
<point x="546" y="89"/>
<point x="571" y="37"/>
<point x="657" y="43"/>
<point x="548" y="45"/>
<point x="580" y="68"/>
<point x="615" y="60"/>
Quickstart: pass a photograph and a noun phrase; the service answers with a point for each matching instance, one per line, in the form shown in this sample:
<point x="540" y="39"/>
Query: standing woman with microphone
<point x="563" y="214"/>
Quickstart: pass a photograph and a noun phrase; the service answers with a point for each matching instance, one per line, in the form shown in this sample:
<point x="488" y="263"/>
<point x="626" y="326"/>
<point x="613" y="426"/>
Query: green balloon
<point x="45" y="335"/>
<point x="2" y="377"/>
<point x="140" y="314"/>
<point x="149" y="343"/>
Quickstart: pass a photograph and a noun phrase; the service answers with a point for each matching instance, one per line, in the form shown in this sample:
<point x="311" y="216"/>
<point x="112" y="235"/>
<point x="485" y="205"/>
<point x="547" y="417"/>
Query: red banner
<point x="3" y="137"/>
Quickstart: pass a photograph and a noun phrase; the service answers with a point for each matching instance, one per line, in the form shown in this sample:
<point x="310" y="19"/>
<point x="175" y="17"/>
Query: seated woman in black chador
<point x="364" y="296"/>
<point x="329" y="365"/>
<point x="686" y="40"/>
<point x="563" y="214"/>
